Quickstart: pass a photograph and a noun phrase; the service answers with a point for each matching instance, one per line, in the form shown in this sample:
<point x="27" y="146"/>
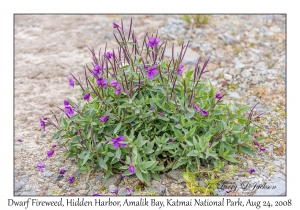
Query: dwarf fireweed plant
<point x="140" y="113"/>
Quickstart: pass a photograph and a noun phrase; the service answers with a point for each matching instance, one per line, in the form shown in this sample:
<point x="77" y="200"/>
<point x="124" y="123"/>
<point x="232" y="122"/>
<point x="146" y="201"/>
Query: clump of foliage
<point x="214" y="177"/>
<point x="138" y="112"/>
<point x="196" y="20"/>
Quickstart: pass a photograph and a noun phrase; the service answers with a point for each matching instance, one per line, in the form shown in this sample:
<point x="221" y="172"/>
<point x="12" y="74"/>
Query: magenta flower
<point x="66" y="103"/>
<point x="171" y="140"/>
<point x="131" y="168"/>
<point x="54" y="145"/>
<point x="40" y="166"/>
<point x="101" y="82"/>
<point x="204" y="112"/>
<point x="179" y="70"/>
<point x="69" y="111"/>
<point x="68" y="108"/>
<point x="104" y="118"/>
<point x="43" y="124"/>
<point x="62" y="171"/>
<point x="218" y="95"/>
<point x="118" y="90"/>
<point x="109" y="55"/>
<point x="128" y="190"/>
<point x="97" y="194"/>
<point x="115" y="25"/>
<point x="50" y="153"/>
<point x="251" y="170"/>
<point x="97" y="69"/>
<point x="256" y="143"/>
<point x="113" y="83"/>
<point x="118" y="142"/>
<point x="255" y="136"/>
<point x="197" y="108"/>
<point x="151" y="72"/>
<point x="20" y="140"/>
<point x="115" y="191"/>
<point x="161" y="114"/>
<point x="71" y="179"/>
<point x="262" y="149"/>
<point x="153" y="42"/>
<point x="71" y="82"/>
<point x="228" y="190"/>
<point x="86" y="97"/>
<point x="152" y="108"/>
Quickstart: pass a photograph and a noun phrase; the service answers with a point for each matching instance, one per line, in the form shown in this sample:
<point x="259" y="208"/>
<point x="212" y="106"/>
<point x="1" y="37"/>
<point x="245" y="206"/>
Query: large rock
<point x="175" y="174"/>
<point x="157" y="188"/>
<point x="18" y="186"/>
<point x="113" y="180"/>
<point x="122" y="191"/>
<point x="25" y="179"/>
<point x="191" y="57"/>
<point x="279" y="190"/>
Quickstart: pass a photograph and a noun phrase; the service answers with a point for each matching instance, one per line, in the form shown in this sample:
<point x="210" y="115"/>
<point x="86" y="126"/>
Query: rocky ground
<point x="247" y="60"/>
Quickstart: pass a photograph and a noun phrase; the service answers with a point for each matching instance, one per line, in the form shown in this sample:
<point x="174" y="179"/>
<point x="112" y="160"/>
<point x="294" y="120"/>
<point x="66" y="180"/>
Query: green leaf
<point x="221" y="151"/>
<point x="110" y="154"/>
<point x="180" y="162"/>
<point x="139" y="175"/>
<point x="259" y="138"/>
<point x="102" y="163"/>
<point x="163" y="118"/>
<point x="189" y="123"/>
<point x="155" y="176"/>
<point x="193" y="153"/>
<point x="244" y="109"/>
<point x="191" y="132"/>
<point x="231" y="159"/>
<point x="190" y="113"/>
<point x="84" y="169"/>
<point x="146" y="177"/>
<point x="148" y="164"/>
<point x="169" y="146"/>
<point x="129" y="119"/>
<point x="248" y="151"/>
<point x="117" y="128"/>
<point x="86" y="157"/>
<point x="148" y="150"/>
<point x="126" y="173"/>
<point x="56" y="135"/>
